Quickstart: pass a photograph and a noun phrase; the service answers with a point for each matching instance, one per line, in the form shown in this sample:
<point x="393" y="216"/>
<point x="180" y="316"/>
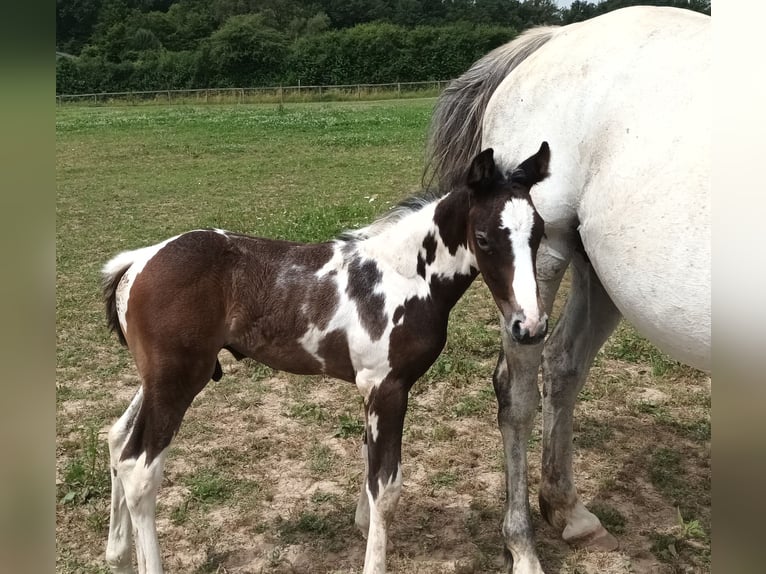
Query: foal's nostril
<point x="516" y="329"/>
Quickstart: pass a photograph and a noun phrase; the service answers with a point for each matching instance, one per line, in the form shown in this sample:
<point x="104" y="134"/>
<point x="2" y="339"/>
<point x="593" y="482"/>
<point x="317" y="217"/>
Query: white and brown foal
<point x="370" y="307"/>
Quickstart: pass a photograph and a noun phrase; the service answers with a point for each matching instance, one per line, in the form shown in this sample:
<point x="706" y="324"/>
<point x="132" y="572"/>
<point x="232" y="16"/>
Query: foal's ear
<point x="534" y="169"/>
<point x="482" y="173"/>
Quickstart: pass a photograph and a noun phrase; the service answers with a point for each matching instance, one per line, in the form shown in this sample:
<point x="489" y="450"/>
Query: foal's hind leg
<point x="167" y="393"/>
<point x="141" y="479"/>
<point x="515" y="382"/>
<point x="588" y="319"/>
<point x="118" y="548"/>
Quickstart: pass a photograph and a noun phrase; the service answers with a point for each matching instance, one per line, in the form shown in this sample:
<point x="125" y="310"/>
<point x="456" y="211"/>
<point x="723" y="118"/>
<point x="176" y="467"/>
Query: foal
<point x="370" y="307"/>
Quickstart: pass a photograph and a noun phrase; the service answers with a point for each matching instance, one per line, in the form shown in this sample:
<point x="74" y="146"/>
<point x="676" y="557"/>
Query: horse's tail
<point x="112" y="272"/>
<point x="455" y="133"/>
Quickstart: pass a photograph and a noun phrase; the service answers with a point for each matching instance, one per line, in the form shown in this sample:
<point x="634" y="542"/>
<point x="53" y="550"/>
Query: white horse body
<point x="631" y="161"/>
<point x="624" y="100"/>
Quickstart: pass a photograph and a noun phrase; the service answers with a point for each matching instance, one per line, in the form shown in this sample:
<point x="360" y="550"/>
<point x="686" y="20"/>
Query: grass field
<point x="264" y="474"/>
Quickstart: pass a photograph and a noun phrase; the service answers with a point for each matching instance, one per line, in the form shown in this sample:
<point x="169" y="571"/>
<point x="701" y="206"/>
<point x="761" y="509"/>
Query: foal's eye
<point x="481" y="241"/>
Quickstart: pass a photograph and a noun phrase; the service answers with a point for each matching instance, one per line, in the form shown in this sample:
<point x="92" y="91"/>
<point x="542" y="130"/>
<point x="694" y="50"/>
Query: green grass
<point x="321" y="459"/>
<point x="666" y="472"/>
<point x="444" y="479"/>
<point x="629" y="346"/>
<point x="611" y="518"/>
<point x="474" y="404"/>
<point x="349" y="426"/>
<point x="311" y="412"/>
<point x="86" y="473"/>
<point x="591" y="433"/>
<point x="133" y="176"/>
<point x="208" y="486"/>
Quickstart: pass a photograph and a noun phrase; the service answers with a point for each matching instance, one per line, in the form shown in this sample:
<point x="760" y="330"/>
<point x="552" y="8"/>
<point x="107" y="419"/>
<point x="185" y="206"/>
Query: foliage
<point x="85" y="475"/>
<point x="121" y="45"/>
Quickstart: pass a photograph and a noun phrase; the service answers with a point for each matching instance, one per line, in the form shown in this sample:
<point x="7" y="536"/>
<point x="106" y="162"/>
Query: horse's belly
<point x="653" y="258"/>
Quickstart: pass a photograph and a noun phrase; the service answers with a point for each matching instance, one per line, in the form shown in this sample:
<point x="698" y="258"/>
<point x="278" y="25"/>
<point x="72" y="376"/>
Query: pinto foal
<point x="370" y="307"/>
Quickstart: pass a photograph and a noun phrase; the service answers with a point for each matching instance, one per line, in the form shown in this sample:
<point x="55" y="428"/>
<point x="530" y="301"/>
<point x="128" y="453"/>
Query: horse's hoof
<point x="363" y="531"/>
<point x="599" y="540"/>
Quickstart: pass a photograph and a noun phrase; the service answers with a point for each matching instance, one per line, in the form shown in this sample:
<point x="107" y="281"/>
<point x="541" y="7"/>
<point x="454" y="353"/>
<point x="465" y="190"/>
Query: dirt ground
<point x="265" y="472"/>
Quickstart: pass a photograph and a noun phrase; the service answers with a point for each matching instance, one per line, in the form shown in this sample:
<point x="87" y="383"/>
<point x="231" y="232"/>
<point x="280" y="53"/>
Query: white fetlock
<point x="527" y="565"/>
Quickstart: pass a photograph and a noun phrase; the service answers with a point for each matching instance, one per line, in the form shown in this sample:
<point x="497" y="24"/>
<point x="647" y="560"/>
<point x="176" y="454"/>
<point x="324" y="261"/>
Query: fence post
<point x="398" y="89"/>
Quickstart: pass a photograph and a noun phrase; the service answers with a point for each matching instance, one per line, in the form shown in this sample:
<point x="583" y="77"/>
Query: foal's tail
<point x="112" y="272"/>
<point x="455" y="132"/>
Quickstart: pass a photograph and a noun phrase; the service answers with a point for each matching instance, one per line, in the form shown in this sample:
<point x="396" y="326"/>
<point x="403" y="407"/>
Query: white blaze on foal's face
<point x="518" y="218"/>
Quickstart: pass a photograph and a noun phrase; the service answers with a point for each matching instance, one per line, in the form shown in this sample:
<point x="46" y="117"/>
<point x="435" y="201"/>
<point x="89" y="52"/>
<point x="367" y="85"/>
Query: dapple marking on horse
<point x="625" y="100"/>
<point x="370" y="308"/>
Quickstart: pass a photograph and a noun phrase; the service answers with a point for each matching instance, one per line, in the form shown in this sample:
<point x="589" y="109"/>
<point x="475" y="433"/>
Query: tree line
<point x="124" y="45"/>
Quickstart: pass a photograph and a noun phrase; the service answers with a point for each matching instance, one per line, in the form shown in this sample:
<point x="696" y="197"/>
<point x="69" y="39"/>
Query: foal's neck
<point x="430" y="242"/>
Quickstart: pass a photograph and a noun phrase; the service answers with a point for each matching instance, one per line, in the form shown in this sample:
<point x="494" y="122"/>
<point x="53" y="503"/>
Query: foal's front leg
<point x="515" y="382"/>
<point x="385" y="407"/>
<point x="362" y="515"/>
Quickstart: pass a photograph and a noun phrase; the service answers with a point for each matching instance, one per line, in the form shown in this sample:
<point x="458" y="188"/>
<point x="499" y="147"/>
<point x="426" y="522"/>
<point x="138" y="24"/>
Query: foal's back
<point x="206" y="290"/>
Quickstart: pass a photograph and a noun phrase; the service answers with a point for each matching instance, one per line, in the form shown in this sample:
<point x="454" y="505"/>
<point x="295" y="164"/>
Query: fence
<point x="273" y="94"/>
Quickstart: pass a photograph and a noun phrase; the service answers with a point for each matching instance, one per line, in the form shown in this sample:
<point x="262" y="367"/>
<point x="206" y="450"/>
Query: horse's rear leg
<point x="141" y="480"/>
<point x="588" y="319"/>
<point x="119" y="545"/>
<point x="515" y="383"/>
<point x="138" y="446"/>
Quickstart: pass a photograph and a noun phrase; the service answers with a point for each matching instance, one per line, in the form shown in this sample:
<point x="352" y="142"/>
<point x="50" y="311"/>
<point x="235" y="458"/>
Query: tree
<point x="247" y="52"/>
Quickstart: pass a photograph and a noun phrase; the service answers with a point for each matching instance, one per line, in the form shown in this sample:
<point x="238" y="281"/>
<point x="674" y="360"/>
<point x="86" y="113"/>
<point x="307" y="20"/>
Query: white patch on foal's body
<point x="518" y="219"/>
<point x="135" y="260"/>
<point x="372" y="421"/>
<point x="393" y="245"/>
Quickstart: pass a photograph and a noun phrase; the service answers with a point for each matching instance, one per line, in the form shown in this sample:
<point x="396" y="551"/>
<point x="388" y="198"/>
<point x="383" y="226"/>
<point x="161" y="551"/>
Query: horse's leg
<point x="385" y="407"/>
<point x="119" y="545"/>
<point x="588" y="319"/>
<point x="141" y="480"/>
<point x="515" y="382"/>
<point x="168" y="390"/>
<point x="362" y="515"/>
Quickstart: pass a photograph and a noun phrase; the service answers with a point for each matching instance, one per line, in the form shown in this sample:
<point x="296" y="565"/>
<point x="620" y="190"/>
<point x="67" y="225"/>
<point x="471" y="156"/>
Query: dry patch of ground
<point x="265" y="472"/>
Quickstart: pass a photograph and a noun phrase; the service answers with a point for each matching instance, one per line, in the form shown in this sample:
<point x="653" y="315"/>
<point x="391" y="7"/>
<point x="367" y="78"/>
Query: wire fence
<point x="272" y="94"/>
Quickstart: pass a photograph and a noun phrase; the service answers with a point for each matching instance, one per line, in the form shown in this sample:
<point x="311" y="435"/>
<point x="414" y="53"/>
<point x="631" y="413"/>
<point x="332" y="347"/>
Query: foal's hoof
<point x="599" y="540"/>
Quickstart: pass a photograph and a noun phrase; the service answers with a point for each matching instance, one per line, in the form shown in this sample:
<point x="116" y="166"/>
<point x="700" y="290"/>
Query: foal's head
<point x="504" y="233"/>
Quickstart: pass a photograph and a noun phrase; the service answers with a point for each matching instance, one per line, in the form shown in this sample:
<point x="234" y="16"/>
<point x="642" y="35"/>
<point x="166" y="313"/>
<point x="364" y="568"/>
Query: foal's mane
<point x="394" y="215"/>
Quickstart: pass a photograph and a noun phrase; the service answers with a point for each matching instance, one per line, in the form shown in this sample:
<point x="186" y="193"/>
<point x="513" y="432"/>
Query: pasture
<point x="265" y="471"/>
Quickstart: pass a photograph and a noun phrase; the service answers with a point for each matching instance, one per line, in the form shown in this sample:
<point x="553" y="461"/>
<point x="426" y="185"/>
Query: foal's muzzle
<point x="528" y="332"/>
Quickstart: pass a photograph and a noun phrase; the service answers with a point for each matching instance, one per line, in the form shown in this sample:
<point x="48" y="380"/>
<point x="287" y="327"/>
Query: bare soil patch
<point x="265" y="473"/>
